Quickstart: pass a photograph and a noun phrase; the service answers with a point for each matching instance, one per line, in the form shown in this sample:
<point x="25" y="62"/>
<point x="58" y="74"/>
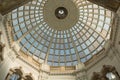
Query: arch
<point x="18" y="74"/>
<point x="28" y="77"/>
<point x="14" y="74"/>
<point x="18" y="71"/>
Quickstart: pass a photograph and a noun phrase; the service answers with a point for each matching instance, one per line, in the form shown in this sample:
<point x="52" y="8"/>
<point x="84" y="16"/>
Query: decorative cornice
<point x="62" y="73"/>
<point x="96" y="60"/>
<point x="5" y="22"/>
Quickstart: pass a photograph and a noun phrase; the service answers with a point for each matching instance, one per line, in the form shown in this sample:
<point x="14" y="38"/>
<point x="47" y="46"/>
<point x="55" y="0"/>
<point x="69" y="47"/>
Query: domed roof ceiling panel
<point x="36" y="29"/>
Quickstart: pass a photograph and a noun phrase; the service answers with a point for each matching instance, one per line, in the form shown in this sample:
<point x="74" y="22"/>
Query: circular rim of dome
<point x="65" y="23"/>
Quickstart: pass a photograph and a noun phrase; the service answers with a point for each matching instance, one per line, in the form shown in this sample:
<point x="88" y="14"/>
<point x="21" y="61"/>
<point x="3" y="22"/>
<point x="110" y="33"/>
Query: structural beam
<point x="112" y="5"/>
<point x="76" y="51"/>
<point x="49" y="46"/>
<point x="7" y="6"/>
<point x="29" y="31"/>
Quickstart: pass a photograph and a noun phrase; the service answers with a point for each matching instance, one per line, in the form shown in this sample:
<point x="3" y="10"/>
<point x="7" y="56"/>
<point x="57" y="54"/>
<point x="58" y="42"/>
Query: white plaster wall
<point x="8" y="63"/>
<point x="4" y="68"/>
<point x="4" y="65"/>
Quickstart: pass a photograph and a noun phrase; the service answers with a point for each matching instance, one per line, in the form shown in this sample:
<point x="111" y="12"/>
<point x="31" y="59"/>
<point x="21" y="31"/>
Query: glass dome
<point x="63" y="46"/>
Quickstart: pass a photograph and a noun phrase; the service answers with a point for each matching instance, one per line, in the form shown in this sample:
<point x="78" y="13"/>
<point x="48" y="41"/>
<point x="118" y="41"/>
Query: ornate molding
<point x="6" y="22"/>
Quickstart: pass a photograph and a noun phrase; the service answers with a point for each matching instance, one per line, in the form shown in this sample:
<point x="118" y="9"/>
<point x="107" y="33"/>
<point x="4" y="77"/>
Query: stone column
<point x="44" y="70"/>
<point x="81" y="72"/>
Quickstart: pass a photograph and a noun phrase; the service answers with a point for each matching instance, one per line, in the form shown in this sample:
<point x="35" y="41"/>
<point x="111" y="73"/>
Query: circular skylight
<point x="63" y="40"/>
<point x="61" y="12"/>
